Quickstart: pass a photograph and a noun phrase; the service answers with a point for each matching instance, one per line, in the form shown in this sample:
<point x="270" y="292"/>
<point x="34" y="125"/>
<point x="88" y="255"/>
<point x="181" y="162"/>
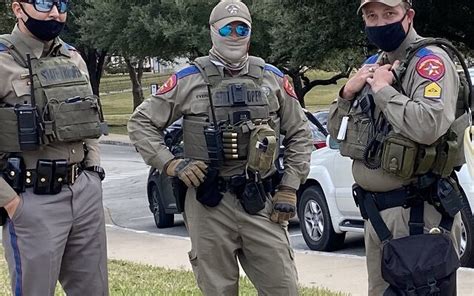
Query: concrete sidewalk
<point x="344" y="273"/>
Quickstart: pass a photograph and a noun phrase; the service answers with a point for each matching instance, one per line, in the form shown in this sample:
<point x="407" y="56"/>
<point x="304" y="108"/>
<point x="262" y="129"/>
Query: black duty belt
<point x="70" y="176"/>
<point x="236" y="184"/>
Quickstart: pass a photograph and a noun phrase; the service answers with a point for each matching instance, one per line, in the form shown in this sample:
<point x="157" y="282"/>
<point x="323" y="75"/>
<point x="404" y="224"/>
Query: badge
<point x="289" y="88"/>
<point x="431" y="67"/>
<point x="266" y="90"/>
<point x="169" y="85"/>
<point x="433" y="91"/>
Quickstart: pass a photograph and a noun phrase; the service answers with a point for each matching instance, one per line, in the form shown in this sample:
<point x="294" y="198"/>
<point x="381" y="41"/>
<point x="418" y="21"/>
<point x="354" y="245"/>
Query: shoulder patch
<point x="423" y="52"/>
<point x="431" y="67"/>
<point x="433" y="91"/>
<point x="372" y="60"/>
<point x="289" y="88"/>
<point x="69" y="47"/>
<point x="3" y="47"/>
<point x="168" y="85"/>
<point x="274" y="69"/>
<point x="187" y="71"/>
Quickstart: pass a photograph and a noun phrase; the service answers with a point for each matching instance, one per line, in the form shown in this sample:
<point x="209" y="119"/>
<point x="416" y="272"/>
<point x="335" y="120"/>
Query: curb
<point x="115" y="142"/>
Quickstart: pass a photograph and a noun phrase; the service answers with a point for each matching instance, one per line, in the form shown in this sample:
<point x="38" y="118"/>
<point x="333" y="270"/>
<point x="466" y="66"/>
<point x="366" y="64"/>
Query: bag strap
<point x="416" y="223"/>
<point x="376" y="220"/>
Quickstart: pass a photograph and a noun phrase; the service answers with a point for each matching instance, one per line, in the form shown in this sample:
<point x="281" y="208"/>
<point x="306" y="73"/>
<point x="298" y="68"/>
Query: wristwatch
<point x="99" y="170"/>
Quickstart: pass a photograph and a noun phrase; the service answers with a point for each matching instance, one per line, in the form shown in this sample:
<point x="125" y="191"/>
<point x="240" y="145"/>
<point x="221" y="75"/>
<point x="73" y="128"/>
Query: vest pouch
<point x="422" y="264"/>
<point x="195" y="146"/>
<point x="9" y="131"/>
<point x="262" y="146"/>
<point x="359" y="132"/>
<point x="75" y="119"/>
<point x="399" y="156"/>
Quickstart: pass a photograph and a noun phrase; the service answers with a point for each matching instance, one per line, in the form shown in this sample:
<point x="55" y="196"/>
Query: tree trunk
<point x="135" y="77"/>
<point x="297" y="84"/>
<point x="95" y="64"/>
<point x="303" y="85"/>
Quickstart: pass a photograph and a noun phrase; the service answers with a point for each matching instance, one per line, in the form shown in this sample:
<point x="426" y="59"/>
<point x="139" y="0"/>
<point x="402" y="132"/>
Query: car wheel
<point x="162" y="220"/>
<point x="466" y="244"/>
<point x="315" y="221"/>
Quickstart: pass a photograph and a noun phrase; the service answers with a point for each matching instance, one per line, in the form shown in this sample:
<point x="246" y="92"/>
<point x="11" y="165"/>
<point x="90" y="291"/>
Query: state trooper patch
<point x="168" y="86"/>
<point x="289" y="88"/>
<point x="431" y="67"/>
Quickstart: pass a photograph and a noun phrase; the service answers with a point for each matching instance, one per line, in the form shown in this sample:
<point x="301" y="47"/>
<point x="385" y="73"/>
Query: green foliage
<point x="7" y="19"/>
<point x="131" y="279"/>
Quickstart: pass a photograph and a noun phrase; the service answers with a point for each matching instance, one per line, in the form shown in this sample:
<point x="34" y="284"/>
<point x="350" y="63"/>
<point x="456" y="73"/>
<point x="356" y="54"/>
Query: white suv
<point x="327" y="210"/>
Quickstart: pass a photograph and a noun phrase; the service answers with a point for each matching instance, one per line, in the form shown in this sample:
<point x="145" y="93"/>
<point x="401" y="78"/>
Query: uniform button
<point x="28" y="173"/>
<point x="12" y="173"/>
<point x="73" y="151"/>
<point x="28" y="180"/>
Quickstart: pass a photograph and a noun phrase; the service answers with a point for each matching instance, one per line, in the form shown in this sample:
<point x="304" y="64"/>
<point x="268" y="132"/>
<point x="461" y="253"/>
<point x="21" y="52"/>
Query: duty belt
<point x="72" y="173"/>
<point x="236" y="184"/>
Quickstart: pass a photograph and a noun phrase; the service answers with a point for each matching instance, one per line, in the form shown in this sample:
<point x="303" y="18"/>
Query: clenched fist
<point x="284" y="205"/>
<point x="191" y="172"/>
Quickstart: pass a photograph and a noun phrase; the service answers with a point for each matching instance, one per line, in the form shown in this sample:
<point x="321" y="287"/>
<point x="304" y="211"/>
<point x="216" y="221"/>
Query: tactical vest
<point x="241" y="110"/>
<point x="65" y="108"/>
<point x="370" y="138"/>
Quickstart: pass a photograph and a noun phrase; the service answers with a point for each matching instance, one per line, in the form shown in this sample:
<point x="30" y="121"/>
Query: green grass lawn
<point x="129" y="279"/>
<point x="118" y="106"/>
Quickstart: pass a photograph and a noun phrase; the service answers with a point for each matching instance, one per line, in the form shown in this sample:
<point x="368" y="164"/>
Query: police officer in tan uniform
<point x="421" y="108"/>
<point x="232" y="217"/>
<point x="50" y="183"/>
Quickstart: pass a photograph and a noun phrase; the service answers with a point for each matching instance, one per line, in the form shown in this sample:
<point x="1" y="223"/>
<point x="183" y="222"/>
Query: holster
<point x="253" y="196"/>
<point x="449" y="196"/>
<point x="179" y="192"/>
<point x="208" y="192"/>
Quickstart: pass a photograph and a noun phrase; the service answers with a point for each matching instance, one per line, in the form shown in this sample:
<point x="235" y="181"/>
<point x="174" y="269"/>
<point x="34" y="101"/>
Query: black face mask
<point x="388" y="37"/>
<point x="43" y="30"/>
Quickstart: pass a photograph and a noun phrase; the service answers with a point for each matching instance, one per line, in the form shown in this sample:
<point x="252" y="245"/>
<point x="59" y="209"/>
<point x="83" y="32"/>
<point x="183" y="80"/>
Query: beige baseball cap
<point x="228" y="11"/>
<point x="391" y="3"/>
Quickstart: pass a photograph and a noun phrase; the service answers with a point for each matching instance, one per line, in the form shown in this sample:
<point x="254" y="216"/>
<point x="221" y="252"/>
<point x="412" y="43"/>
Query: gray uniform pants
<point x="59" y="237"/>
<point x="225" y="233"/>
<point x="397" y="222"/>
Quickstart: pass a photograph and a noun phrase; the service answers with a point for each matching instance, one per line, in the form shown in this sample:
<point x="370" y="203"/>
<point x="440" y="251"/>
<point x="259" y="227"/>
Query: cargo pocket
<point x="193" y="259"/>
<point x="19" y="211"/>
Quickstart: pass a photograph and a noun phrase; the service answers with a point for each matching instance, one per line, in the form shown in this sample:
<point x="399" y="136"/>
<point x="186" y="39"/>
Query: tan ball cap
<point x="391" y="3"/>
<point x="228" y="11"/>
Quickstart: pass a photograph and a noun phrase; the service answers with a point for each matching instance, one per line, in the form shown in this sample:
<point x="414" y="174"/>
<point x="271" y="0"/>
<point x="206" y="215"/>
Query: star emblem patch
<point x="232" y="8"/>
<point x="169" y="85"/>
<point x="431" y="67"/>
<point x="289" y="88"/>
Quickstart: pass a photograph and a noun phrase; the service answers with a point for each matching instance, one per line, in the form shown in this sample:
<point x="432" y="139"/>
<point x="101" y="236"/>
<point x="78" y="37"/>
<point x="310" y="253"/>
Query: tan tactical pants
<point x="225" y="233"/>
<point x="397" y="222"/>
<point x="59" y="237"/>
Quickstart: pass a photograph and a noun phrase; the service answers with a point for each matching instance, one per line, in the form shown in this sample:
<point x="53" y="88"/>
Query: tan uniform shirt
<point x="188" y="96"/>
<point x="421" y="116"/>
<point x="14" y="83"/>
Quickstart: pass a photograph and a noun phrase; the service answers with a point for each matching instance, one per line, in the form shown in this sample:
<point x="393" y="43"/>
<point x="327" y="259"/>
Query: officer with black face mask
<point x="50" y="179"/>
<point x="394" y="118"/>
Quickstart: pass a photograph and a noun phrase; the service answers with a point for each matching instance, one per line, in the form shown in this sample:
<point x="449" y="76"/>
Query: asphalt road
<point x="126" y="199"/>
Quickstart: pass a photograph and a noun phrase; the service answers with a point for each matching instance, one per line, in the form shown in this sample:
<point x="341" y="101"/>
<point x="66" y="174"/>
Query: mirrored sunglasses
<point x="47" y="5"/>
<point x="240" y="30"/>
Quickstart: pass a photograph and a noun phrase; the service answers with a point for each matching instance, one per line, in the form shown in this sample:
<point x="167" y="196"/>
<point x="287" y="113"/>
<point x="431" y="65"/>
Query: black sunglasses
<point x="47" y="5"/>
